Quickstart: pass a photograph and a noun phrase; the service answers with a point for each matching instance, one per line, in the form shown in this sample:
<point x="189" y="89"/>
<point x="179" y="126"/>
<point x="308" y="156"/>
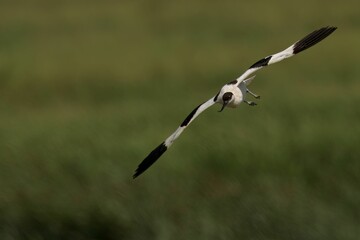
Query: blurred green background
<point x="89" y="88"/>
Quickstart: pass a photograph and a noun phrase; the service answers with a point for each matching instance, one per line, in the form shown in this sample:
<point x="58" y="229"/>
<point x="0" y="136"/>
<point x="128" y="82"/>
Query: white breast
<point x="238" y="94"/>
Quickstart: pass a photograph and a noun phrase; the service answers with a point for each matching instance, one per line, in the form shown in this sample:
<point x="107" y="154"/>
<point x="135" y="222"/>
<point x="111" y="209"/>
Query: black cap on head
<point x="226" y="98"/>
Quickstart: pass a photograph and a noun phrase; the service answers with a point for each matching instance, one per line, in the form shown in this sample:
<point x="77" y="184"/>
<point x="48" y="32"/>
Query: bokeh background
<point x="89" y="88"/>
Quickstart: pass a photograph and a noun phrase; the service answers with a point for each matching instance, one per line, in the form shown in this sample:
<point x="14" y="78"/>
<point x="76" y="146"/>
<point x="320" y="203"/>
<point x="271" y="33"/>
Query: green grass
<point x="89" y="88"/>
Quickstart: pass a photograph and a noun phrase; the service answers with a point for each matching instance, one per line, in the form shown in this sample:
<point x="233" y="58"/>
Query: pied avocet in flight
<point x="233" y="93"/>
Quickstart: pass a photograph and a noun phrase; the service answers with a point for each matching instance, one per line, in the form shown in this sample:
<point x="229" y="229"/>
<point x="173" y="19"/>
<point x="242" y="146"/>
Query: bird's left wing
<point x="301" y="45"/>
<point x="158" y="151"/>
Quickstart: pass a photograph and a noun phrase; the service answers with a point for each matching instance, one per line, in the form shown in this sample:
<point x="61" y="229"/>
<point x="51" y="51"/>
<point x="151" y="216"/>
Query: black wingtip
<point x="150" y="159"/>
<point x="313" y="38"/>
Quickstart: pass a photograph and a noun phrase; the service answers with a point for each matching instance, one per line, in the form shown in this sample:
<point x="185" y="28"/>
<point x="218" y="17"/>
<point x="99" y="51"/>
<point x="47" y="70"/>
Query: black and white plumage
<point x="233" y="93"/>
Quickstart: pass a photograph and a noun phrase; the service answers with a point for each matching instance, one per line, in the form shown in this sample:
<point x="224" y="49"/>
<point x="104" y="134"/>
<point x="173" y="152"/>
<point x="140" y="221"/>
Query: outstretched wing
<point x="158" y="151"/>
<point x="306" y="42"/>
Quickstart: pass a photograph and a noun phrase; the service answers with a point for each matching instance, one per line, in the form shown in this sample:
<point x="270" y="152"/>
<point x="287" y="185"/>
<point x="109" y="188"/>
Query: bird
<point x="233" y="93"/>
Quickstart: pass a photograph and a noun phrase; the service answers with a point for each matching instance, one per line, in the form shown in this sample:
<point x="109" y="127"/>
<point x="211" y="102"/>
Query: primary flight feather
<point x="233" y="93"/>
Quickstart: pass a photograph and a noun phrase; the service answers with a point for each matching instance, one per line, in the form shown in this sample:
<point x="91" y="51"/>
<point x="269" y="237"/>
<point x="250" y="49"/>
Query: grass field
<point x="89" y="88"/>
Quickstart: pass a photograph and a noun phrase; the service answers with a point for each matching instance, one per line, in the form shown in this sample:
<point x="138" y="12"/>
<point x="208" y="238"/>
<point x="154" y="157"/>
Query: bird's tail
<point x="249" y="80"/>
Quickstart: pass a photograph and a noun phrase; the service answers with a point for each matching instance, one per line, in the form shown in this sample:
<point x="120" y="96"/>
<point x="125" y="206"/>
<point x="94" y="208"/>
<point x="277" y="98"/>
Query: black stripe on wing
<point x="150" y="159"/>
<point x="261" y="63"/>
<point x="313" y="38"/>
<point x="216" y="96"/>
<point x="189" y="117"/>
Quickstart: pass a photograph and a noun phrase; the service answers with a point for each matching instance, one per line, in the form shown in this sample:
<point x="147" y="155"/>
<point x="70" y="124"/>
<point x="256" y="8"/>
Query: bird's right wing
<point x="158" y="151"/>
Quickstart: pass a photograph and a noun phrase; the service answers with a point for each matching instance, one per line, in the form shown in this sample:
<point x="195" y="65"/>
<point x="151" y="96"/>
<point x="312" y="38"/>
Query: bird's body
<point x="234" y="93"/>
<point x="238" y="95"/>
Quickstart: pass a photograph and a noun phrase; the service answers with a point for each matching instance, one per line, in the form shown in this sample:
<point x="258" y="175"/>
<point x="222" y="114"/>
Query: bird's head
<point x="226" y="98"/>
